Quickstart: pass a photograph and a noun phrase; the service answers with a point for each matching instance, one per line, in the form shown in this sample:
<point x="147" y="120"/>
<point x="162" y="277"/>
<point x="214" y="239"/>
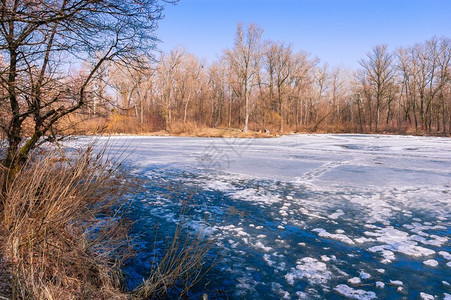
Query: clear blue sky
<point x="339" y="32"/>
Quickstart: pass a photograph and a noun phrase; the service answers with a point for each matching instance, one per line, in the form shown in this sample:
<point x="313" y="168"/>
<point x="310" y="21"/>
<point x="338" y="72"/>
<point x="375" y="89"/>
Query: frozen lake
<point x="303" y="216"/>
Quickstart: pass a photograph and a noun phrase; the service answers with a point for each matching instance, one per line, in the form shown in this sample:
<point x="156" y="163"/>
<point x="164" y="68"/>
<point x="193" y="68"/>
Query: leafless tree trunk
<point x="378" y="71"/>
<point x="244" y="59"/>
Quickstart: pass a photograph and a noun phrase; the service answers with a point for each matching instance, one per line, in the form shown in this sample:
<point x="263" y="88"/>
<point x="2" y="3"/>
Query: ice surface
<point x="299" y="215"/>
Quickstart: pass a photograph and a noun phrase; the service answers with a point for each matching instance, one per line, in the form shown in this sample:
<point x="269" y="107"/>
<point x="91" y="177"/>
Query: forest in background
<point x="265" y="86"/>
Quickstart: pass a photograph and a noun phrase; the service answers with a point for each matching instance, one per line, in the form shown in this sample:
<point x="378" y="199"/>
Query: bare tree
<point x="406" y="67"/>
<point x="443" y="82"/>
<point x="134" y="84"/>
<point x="43" y="39"/>
<point x="244" y="61"/>
<point x="167" y="69"/>
<point x="302" y="84"/>
<point x="219" y="91"/>
<point x="280" y="67"/>
<point x="378" y="72"/>
<point x="188" y="80"/>
<point x="338" y="91"/>
<point x="321" y="83"/>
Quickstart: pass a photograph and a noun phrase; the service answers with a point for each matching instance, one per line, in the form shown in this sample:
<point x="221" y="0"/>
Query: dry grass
<point x="65" y="238"/>
<point x="183" y="264"/>
<point x="64" y="235"/>
<point x="118" y="124"/>
<point x="221" y="132"/>
<point x="204" y="132"/>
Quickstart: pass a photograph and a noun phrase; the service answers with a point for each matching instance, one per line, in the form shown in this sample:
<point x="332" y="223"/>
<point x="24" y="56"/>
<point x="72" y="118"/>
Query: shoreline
<point x="254" y="134"/>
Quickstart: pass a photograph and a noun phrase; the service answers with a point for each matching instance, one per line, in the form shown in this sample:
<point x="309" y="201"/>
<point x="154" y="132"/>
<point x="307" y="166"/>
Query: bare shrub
<point x="183" y="264"/>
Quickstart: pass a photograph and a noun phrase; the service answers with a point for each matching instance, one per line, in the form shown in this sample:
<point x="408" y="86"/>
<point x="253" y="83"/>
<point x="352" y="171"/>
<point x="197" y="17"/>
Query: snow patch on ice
<point x="396" y="282"/>
<point x="354" y="280"/>
<point x="425" y="296"/>
<point x="431" y="262"/>
<point x="277" y="288"/>
<point x="314" y="271"/>
<point x="338" y="213"/>
<point x="351" y="293"/>
<point x="245" y="286"/>
<point x="302" y="295"/>
<point x="219" y="185"/>
<point x="364" y="275"/>
<point x="267" y="259"/>
<point x="326" y="258"/>
<point x="283" y="213"/>
<point x="255" y="196"/>
<point x="445" y="255"/>
<point x="337" y="236"/>
<point x="363" y="239"/>
<point x="396" y="241"/>
<point x="260" y="246"/>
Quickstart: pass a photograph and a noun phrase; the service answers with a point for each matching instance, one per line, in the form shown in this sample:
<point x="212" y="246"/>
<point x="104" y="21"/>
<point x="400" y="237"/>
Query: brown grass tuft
<point x="64" y="236"/>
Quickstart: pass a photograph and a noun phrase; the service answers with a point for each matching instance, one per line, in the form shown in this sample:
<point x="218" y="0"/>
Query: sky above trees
<point x="339" y="32"/>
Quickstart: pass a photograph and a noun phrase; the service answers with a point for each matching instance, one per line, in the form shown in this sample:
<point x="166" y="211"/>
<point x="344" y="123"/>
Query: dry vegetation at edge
<point x="64" y="235"/>
<point x="120" y="125"/>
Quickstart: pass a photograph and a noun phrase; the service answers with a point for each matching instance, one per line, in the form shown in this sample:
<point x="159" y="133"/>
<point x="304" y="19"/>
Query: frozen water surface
<point x="302" y="216"/>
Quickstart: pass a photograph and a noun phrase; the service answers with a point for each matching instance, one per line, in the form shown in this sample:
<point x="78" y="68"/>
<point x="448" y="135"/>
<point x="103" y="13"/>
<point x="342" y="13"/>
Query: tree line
<point x="267" y="86"/>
